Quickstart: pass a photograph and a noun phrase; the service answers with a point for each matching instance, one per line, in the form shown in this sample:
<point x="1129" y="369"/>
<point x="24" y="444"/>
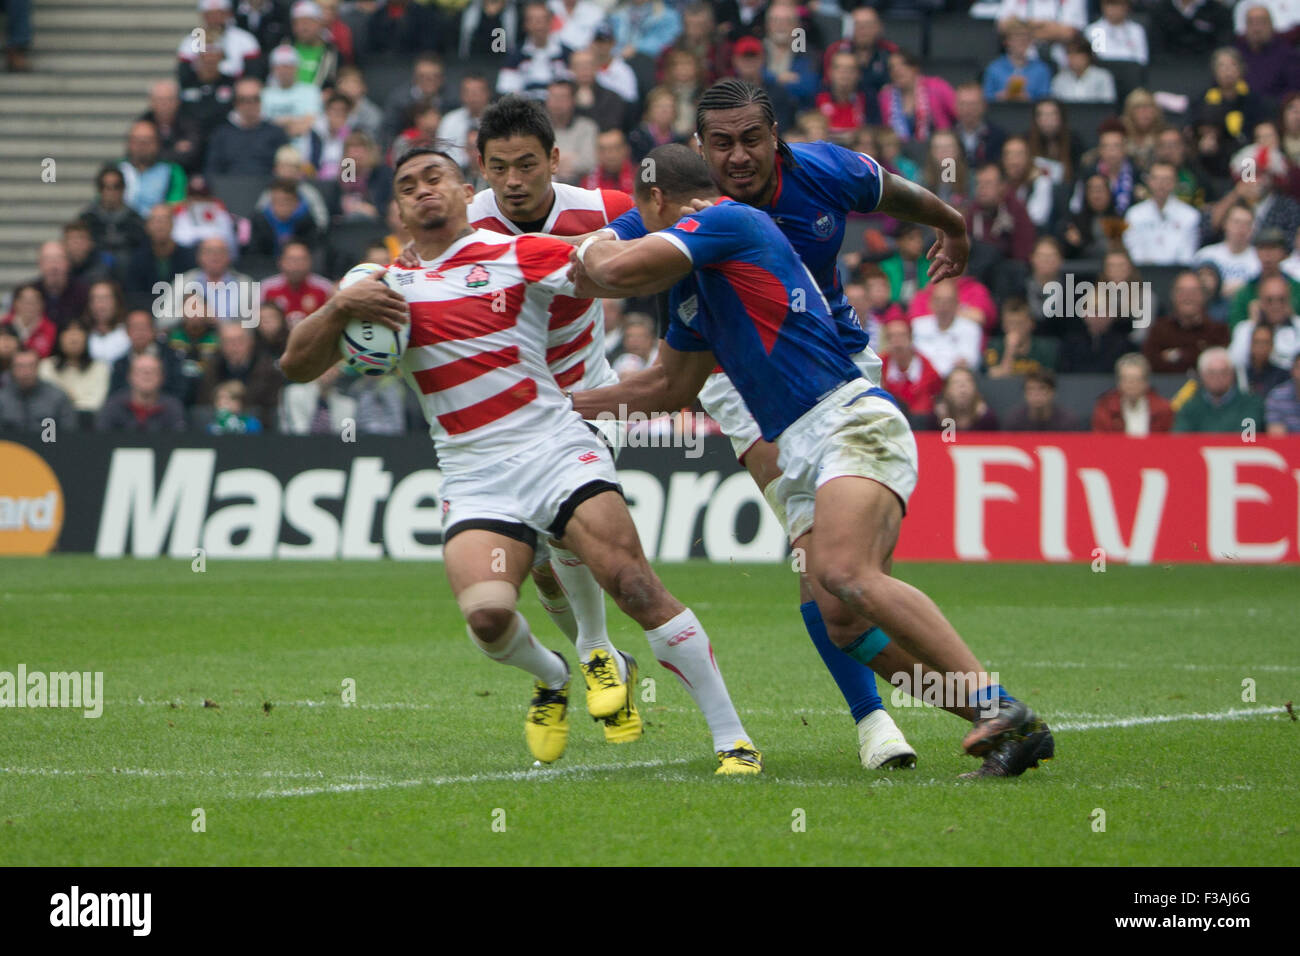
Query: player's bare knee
<point x="636" y="589"/>
<point x="856" y="587"/>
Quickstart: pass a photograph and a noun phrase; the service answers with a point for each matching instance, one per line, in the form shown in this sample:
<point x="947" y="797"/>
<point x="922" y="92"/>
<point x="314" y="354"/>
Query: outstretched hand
<point x="948" y="256"/>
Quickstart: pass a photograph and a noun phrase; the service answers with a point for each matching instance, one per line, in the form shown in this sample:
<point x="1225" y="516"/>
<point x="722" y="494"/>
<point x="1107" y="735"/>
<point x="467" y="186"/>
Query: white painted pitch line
<point x="1238" y="713"/>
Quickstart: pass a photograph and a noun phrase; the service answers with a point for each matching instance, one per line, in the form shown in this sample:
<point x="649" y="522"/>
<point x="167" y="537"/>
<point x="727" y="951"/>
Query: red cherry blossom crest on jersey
<point x="477" y="278"/>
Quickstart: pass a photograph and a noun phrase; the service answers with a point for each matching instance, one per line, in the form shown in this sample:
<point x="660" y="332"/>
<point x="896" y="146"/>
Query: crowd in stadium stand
<point x="265" y="157"/>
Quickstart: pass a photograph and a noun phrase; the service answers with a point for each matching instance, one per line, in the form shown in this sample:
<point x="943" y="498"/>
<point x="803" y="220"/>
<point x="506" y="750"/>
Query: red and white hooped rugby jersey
<point x="576" y="337"/>
<point x="477" y="355"/>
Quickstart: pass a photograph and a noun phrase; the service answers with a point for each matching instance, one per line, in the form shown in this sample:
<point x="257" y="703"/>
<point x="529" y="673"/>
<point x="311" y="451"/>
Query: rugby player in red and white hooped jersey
<point x="518" y="157"/>
<point x="518" y="463"/>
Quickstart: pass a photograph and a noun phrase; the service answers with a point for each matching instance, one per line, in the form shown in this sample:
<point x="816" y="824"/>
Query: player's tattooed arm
<point x="905" y="200"/>
<point x="313" y="345"/>
<point x="671" y="382"/>
<point x="637" y="267"/>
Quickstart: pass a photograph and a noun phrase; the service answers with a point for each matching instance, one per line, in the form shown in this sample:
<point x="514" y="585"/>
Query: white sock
<point x="587" y="601"/>
<point x="520" y="649"/>
<point x="561" y="612"/>
<point x="682" y="646"/>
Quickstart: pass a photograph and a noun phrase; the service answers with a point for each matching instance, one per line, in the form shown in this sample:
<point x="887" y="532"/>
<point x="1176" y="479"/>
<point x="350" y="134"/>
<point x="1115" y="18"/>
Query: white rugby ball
<point x="368" y="347"/>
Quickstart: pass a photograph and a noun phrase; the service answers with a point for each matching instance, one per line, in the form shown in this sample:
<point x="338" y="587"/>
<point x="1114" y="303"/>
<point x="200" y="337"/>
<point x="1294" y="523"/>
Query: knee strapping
<point x="487" y="595"/>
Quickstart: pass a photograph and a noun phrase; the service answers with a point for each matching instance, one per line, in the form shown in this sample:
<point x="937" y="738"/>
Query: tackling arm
<point x="637" y="267"/>
<point x="672" y="382"/>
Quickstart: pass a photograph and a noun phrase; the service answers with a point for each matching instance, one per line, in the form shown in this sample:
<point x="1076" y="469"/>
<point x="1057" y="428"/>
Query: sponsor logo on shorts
<point x="588" y="457"/>
<point x="680" y="636"/>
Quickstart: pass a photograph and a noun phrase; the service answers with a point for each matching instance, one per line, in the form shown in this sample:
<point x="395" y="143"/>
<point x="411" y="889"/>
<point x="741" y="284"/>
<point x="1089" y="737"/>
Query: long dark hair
<point x="731" y="94"/>
<point x="61" y="359"/>
<point x="1058" y="147"/>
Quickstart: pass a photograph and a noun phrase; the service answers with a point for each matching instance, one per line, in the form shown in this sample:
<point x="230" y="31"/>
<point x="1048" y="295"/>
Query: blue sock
<point x="856" y="681"/>
<point x="986" y="694"/>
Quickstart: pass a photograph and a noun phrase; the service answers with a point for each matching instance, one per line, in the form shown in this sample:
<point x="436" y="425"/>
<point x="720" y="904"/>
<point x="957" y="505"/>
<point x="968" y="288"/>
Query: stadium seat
<point x="1129" y="76"/>
<point x="348" y="241"/>
<point x="1084" y="118"/>
<point x="1168" y="384"/>
<point x="1081" y="268"/>
<point x="239" y="193"/>
<point x="1162" y="280"/>
<point x="1013" y="118"/>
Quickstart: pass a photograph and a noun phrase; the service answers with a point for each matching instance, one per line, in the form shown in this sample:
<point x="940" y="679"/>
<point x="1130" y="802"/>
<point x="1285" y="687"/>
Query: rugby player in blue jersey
<point x="742" y="298"/>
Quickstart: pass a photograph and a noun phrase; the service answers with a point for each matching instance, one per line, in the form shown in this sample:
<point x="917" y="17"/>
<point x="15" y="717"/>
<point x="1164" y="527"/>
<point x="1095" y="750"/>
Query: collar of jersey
<point x="453" y="248"/>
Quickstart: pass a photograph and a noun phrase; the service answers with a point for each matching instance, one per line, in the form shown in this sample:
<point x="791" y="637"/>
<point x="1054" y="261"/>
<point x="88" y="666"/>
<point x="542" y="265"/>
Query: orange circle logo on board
<point x="31" y="502"/>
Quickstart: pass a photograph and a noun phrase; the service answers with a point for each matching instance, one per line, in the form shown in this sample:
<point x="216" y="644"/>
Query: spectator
<point x="682" y="79"/>
<point x="245" y="144"/>
<point x="789" y="63"/>
<point x="363" y="114"/>
<point x="1276" y="312"/>
<point x="35" y="332"/>
<point x="318" y="58"/>
<point x="905" y="373"/>
<point x="105" y="309"/>
<point x="157" y="260"/>
<point x="946" y="173"/>
<point x="1040" y="413"/>
<point x="1282" y="407"/>
<point x="265" y="20"/>
<point x="1176" y="341"/>
<point x="1259" y="375"/>
<point x="475" y="95"/>
<point x="1216" y="306"/>
<point x="79" y="376"/>
<point x="844" y="104"/>
<point x="1052" y="145"/>
<point x="1218" y="405"/>
<point x="870" y="300"/>
<point x="1049" y="21"/>
<point x="1117" y="36"/>
<point x="913" y="105"/>
<point x="614" y="169"/>
<point x="241" y="55"/>
<point x="142" y="332"/>
<point x="1190" y="28"/>
<point x="286" y="219"/>
<point x="946" y="339"/>
<point x="142" y="406"/>
<point x="1289" y="127"/>
<point x="656" y="127"/>
<point x="332" y="131"/>
<point x="272" y="331"/>
<point x="960" y="406"/>
<point x="1285" y="18"/>
<point x="380" y="402"/>
<point x="1089" y="233"/>
<point x="1111" y="160"/>
<point x="997" y="219"/>
<point x="297" y="292"/>
<point x="292" y="104"/>
<point x="488" y="27"/>
<point x="338" y="32"/>
<point x="19" y="27"/>
<point x="206" y="93"/>
<point x="870" y="49"/>
<point x="1018" y="351"/>
<point x="202" y="216"/>
<point x="317" y="408"/>
<point x="1290" y="266"/>
<point x="1027" y="182"/>
<point x="605" y="107"/>
<point x="612" y="71"/>
<point x="748" y="59"/>
<point x="974" y="302"/>
<point x="149" y="180"/>
<point x="1143" y="125"/>
<point x="1264" y="154"/>
<point x="701" y="39"/>
<point x="574" y="135"/>
<point x="362" y="195"/>
<point x="907" y="269"/>
<point x="1015" y="76"/>
<point x="1096" y="347"/>
<point x="889" y="146"/>
<point x="1193" y="181"/>
<point x="1133" y="406"/>
<point x="577" y="21"/>
<point x="224" y="290"/>
<point x="1272" y="65"/>
<point x="8" y="349"/>
<point x="640" y="345"/>
<point x="1257" y="189"/>
<point x="65" y="295"/>
<point x="980" y="140"/>
<point x="644" y="27"/>
<point x="532" y="67"/>
<point x="114" y="226"/>
<point x="1234" y="258"/>
<point x="1162" y="230"/>
<point x="228" y="417"/>
<point x="86" y="264"/>
<point x="28" y="404"/>
<point x="179" y="135"/>
<point x="1230" y="104"/>
<point x="289" y="164"/>
<point x="237" y="358"/>
<point x="741" y="18"/>
<point x="193" y="342"/>
<point x="426" y="86"/>
<point x="1271" y="250"/>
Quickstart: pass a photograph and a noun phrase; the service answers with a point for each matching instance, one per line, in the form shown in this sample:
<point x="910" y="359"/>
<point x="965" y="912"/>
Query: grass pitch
<point x="1139" y="670"/>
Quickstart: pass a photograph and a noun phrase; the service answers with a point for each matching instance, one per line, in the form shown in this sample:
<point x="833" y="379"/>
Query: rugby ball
<point x="368" y="347"/>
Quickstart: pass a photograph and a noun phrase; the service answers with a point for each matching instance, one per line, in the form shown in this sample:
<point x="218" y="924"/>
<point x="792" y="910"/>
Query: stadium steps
<point x="92" y="63"/>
